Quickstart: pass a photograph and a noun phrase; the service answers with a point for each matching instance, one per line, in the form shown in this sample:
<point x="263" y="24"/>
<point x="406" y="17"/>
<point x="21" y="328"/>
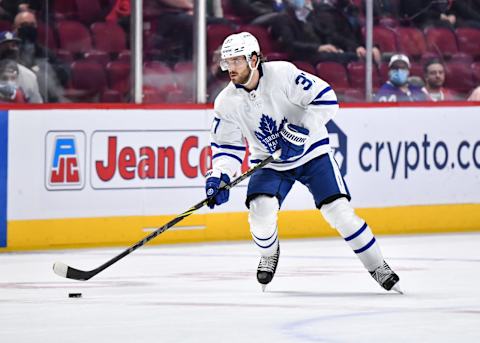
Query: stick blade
<point x="61" y="269"/>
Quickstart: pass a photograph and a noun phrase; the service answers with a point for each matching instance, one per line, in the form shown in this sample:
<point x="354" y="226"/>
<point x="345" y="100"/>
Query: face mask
<point x="297" y="3"/>
<point x="10" y="54"/>
<point x="398" y="77"/>
<point x="28" y="33"/>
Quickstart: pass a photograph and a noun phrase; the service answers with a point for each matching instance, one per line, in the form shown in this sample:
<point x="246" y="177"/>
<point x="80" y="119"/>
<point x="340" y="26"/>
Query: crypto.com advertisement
<point x="95" y="163"/>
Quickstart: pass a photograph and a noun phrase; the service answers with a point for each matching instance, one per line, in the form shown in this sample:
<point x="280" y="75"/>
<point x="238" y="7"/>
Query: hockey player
<point x="274" y="105"/>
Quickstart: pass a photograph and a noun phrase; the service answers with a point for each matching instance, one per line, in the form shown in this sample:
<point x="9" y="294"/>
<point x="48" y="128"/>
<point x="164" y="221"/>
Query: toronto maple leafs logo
<point x="269" y="132"/>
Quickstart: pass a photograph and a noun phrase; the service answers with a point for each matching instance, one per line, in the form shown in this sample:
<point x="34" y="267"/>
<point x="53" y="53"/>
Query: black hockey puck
<point x="74" y="295"/>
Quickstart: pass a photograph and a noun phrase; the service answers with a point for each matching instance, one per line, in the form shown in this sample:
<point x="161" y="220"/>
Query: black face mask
<point x="28" y="33"/>
<point x="11" y="54"/>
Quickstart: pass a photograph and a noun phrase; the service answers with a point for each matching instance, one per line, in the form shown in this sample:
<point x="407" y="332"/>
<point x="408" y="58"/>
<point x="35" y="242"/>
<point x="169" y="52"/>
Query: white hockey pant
<point x="341" y="216"/>
<point x="263" y="224"/>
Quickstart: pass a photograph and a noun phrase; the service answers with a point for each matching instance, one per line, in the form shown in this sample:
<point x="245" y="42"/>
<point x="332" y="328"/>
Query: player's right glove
<point x="292" y="140"/>
<point x="215" y="180"/>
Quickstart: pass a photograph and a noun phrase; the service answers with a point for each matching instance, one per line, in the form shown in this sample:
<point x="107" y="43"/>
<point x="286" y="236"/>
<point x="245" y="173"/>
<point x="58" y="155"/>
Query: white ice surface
<point x="208" y="293"/>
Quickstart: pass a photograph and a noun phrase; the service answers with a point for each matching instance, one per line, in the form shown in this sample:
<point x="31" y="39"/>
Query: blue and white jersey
<point x="284" y="94"/>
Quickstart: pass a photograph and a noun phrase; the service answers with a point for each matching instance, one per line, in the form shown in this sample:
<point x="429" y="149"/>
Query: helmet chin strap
<point x="250" y="76"/>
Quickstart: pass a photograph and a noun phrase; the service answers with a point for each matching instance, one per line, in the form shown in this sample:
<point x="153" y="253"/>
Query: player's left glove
<point x="292" y="140"/>
<point x="215" y="180"/>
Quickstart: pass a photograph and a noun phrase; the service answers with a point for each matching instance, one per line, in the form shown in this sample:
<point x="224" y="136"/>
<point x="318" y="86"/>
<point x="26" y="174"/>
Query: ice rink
<point x="208" y="293"/>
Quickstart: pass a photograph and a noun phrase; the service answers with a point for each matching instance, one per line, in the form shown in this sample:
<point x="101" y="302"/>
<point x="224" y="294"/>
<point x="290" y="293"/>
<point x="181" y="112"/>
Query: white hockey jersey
<point x="284" y="94"/>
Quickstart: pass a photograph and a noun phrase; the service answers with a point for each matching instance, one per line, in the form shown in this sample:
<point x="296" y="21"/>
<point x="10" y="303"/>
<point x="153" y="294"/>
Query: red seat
<point x="305" y="66"/>
<point x="109" y="37"/>
<point x="476" y="72"/>
<point x="89" y="77"/>
<point x="46" y="36"/>
<point x="153" y="96"/>
<point x="124" y="56"/>
<point x="74" y="37"/>
<point x="159" y="76"/>
<point x="354" y="95"/>
<point x="334" y="73"/>
<point x="89" y="11"/>
<point x="267" y="45"/>
<point x="216" y="34"/>
<point x="64" y="9"/>
<point x="5" y="25"/>
<point x="385" y="38"/>
<point x="98" y="56"/>
<point x="184" y="74"/>
<point x="459" y="77"/>
<point x="441" y="40"/>
<point x="468" y="40"/>
<point x="356" y="73"/>
<point x="411" y="41"/>
<point x="118" y="76"/>
<point x="111" y="96"/>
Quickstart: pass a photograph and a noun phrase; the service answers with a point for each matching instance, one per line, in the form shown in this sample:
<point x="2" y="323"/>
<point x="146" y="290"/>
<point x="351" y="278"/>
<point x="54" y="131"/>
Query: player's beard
<point x="242" y="78"/>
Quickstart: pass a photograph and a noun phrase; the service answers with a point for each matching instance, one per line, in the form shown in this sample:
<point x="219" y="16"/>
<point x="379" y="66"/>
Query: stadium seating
<point x="89" y="11"/>
<point x="108" y="37"/>
<point x="118" y="76"/>
<point x="74" y="37"/>
<point x="441" y="40"/>
<point x="334" y="73"/>
<point x="459" y="77"/>
<point x="468" y="41"/>
<point x="305" y="66"/>
<point x="216" y="34"/>
<point x="88" y="80"/>
<point x="411" y="41"/>
<point x="356" y="73"/>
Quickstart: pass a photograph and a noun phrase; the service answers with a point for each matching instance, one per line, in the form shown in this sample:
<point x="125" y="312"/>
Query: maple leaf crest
<point x="268" y="134"/>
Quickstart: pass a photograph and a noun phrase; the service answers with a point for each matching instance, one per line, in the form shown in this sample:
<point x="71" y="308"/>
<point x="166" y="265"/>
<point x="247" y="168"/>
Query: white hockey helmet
<point x="239" y="44"/>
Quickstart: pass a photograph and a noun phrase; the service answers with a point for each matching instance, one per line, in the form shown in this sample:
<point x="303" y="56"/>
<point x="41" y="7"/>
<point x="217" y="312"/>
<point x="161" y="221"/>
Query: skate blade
<point x="263" y="288"/>
<point x="397" y="288"/>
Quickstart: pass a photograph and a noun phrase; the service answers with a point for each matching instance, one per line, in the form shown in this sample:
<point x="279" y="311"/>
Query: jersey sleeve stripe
<point x="231" y="147"/>
<point x="325" y="90"/>
<point x="229" y="155"/>
<point x="324" y="102"/>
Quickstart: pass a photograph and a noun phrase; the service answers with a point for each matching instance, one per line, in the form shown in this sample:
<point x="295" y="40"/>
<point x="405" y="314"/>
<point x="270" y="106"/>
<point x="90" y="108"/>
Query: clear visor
<point x="227" y="63"/>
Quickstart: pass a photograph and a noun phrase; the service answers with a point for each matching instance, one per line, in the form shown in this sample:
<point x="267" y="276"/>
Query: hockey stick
<point x="63" y="270"/>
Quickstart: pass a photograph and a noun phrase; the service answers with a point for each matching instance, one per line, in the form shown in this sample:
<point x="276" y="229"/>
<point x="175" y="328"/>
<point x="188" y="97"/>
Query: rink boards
<point x="78" y="177"/>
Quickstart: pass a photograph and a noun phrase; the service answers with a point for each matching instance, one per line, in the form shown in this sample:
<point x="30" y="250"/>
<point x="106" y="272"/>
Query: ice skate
<point x="386" y="278"/>
<point x="266" y="268"/>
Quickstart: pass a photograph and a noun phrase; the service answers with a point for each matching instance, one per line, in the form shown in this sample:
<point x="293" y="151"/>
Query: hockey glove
<point x="215" y="180"/>
<point x="292" y="140"/>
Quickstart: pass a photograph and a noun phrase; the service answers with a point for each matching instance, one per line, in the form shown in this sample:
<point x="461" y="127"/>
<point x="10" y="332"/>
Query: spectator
<point x="475" y="96"/>
<point x="434" y="79"/>
<point x="424" y="13"/>
<point x="339" y="24"/>
<point x="9" y="90"/>
<point x="27" y="80"/>
<point x="297" y="33"/>
<point x="10" y="8"/>
<point x="397" y="87"/>
<point x="51" y="73"/>
<point x="260" y="12"/>
<point x="120" y="14"/>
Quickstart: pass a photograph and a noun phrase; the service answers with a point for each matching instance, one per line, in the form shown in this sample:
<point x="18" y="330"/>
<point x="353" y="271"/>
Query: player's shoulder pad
<point x="223" y="101"/>
<point x="276" y="67"/>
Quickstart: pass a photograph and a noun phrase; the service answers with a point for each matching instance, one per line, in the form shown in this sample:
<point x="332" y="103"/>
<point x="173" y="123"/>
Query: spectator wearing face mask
<point x="397" y="87"/>
<point x="27" y="79"/>
<point x="52" y="74"/>
<point x="10" y="92"/>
